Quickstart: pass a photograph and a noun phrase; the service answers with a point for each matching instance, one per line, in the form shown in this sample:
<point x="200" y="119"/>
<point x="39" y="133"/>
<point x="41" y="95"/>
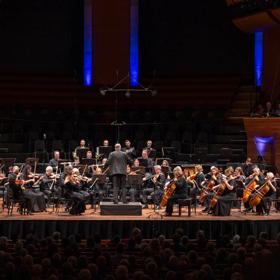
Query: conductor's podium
<point x="263" y="139"/>
<point x="120" y="209"/>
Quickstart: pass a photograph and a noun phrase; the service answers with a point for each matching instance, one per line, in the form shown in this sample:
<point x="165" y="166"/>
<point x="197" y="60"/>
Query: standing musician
<point x="214" y="178"/>
<point x="181" y="190"/>
<point x="153" y="185"/>
<point x="118" y="162"/>
<point x="34" y="194"/>
<point x="251" y="182"/>
<point x="261" y="195"/>
<point x="224" y="194"/>
<point x="129" y="150"/>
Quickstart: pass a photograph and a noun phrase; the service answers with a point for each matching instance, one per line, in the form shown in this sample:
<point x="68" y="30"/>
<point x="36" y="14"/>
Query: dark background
<point x="179" y="37"/>
<point x="176" y="37"/>
<point x="41" y="35"/>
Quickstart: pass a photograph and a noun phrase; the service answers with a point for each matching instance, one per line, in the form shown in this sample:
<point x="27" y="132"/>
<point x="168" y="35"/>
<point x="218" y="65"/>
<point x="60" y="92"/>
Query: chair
<point x="12" y="201"/>
<point x="185" y="202"/>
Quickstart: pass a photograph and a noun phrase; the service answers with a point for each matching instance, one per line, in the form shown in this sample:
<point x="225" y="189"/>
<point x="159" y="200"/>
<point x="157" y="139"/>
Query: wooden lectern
<point x="268" y="128"/>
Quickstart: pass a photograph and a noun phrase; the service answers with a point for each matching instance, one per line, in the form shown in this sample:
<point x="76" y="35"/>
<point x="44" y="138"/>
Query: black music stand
<point x="169" y="152"/>
<point x="143" y="162"/>
<point x="105" y="151"/>
<point x="88" y="161"/>
<point x="82" y="153"/>
<point x="31" y="161"/>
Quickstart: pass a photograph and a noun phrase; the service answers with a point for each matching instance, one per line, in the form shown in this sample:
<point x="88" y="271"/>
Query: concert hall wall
<point x="179" y="37"/>
<point x="41" y="36"/>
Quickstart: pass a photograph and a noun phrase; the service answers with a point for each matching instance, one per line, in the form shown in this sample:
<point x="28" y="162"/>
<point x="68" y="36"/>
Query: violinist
<point x="72" y="188"/>
<point x="38" y="203"/>
<point x="212" y="179"/>
<point x="181" y="190"/>
<point x="50" y="182"/>
<point x="220" y="204"/>
<point x="153" y="185"/>
<point x="255" y="178"/>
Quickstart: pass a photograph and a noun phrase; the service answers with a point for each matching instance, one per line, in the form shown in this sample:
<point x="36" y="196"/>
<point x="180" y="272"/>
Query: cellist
<point x="256" y="178"/>
<point x="181" y="190"/>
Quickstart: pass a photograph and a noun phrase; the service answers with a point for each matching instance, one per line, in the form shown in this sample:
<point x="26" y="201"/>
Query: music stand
<point x="31" y="161"/>
<point x="143" y="162"/>
<point x="82" y="153"/>
<point x="105" y="151"/>
<point x="168" y="152"/>
<point x="88" y="161"/>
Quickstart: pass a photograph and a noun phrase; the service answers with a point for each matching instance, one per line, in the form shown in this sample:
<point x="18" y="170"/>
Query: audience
<point x="56" y="257"/>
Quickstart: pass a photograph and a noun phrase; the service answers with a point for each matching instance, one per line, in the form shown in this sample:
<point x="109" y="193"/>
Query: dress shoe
<point x="205" y="210"/>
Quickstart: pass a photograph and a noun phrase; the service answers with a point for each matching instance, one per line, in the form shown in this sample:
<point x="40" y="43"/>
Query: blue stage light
<point x="261" y="143"/>
<point x="258" y="58"/>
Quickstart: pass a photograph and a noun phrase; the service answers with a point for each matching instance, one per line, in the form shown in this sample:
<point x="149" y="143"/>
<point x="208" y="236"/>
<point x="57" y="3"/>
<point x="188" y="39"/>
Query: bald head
<point x="118" y="147"/>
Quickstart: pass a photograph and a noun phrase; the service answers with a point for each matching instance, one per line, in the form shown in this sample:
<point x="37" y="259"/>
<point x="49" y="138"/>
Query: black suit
<point x="118" y="162"/>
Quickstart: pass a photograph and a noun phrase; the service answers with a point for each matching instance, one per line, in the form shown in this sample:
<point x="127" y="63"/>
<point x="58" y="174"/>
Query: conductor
<point x="118" y="162"/>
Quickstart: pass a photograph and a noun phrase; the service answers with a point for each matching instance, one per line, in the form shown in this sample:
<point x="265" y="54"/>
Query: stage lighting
<point x="103" y="92"/>
<point x="127" y="94"/>
<point x="154" y="92"/>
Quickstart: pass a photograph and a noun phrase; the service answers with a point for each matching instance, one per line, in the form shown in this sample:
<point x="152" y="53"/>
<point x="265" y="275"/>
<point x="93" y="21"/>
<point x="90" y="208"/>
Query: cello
<point x="249" y="188"/>
<point x="170" y="188"/>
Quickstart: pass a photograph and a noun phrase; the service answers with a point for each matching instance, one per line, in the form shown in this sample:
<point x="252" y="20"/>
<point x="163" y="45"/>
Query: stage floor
<point x="91" y="223"/>
<point x="147" y="214"/>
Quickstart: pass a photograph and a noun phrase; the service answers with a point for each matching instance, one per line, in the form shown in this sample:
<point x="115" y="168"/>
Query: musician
<point x="89" y="155"/>
<point x="196" y="180"/>
<point x="146" y="161"/>
<point x="247" y="167"/>
<point x="16" y="190"/>
<point x="77" y="156"/>
<point x="50" y="182"/>
<point x="132" y="189"/>
<point x="263" y="207"/>
<point x="153" y="185"/>
<point x="72" y="187"/>
<point x="224" y="195"/>
<point x="55" y="160"/>
<point x="36" y="197"/>
<point x="129" y="150"/>
<point x="166" y="169"/>
<point x="105" y="143"/>
<point x="150" y="150"/>
<point x="99" y="188"/>
<point x="212" y="179"/>
<point x="181" y="191"/>
<point x="118" y="162"/>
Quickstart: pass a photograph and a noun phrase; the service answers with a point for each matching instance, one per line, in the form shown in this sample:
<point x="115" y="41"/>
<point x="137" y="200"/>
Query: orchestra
<point x="127" y="178"/>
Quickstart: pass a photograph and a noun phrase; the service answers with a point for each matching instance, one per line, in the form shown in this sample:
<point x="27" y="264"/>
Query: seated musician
<point x="129" y="150"/>
<point x="181" y="190"/>
<point x="89" y="155"/>
<point x="153" y="185"/>
<point x="214" y="178"/>
<point x="224" y="194"/>
<point x="55" y="160"/>
<point x="150" y="150"/>
<point x="35" y="196"/>
<point x="15" y="191"/>
<point x="146" y="161"/>
<point x="195" y="181"/>
<point x="166" y="169"/>
<point x="255" y="178"/>
<point x="267" y="189"/>
<point x="50" y="182"/>
<point x="76" y="154"/>
<point x="72" y="186"/>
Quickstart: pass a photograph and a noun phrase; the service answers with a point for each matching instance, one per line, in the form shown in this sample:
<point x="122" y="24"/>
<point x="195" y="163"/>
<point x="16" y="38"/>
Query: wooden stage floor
<point x="147" y="214"/>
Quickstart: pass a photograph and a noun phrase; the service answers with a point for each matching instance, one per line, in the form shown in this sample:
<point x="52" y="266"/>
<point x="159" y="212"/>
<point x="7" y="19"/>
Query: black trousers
<point x="172" y="200"/>
<point x="119" y="182"/>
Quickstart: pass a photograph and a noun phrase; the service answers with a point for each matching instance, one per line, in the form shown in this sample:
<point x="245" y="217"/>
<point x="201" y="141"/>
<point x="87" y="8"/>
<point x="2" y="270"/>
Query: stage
<point x="44" y="224"/>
